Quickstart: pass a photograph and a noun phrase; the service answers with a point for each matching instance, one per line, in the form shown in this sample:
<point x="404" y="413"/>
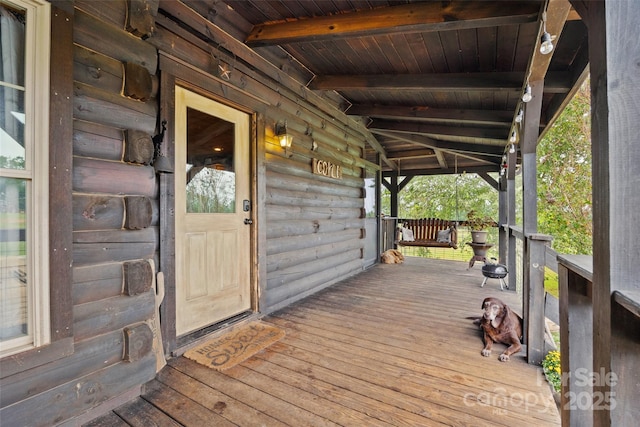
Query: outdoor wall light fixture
<point x="285" y="138"/>
<point x="526" y="96"/>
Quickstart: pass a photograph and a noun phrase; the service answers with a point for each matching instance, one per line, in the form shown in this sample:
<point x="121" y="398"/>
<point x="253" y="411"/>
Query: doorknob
<point x="248" y="221"/>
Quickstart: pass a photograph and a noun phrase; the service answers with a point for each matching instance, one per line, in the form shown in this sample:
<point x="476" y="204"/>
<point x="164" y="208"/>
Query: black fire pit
<point x="493" y="270"/>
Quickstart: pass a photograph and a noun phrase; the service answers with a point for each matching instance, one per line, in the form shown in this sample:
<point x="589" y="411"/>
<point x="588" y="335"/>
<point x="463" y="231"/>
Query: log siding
<point x="309" y="222"/>
<point x="309" y="229"/>
<point x="109" y="353"/>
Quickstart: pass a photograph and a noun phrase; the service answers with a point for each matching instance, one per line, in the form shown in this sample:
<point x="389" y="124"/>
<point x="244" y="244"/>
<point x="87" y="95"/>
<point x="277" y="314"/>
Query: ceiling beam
<point x="461" y="169"/>
<point x="574" y="15"/>
<point x="476" y="152"/>
<point x="557" y="13"/>
<point x="485" y="117"/>
<point x="409" y="18"/>
<point x="375" y="145"/>
<point x="411" y="154"/>
<point x="489" y="180"/>
<point x="556" y="82"/>
<point x="493" y="135"/>
<point x="441" y="160"/>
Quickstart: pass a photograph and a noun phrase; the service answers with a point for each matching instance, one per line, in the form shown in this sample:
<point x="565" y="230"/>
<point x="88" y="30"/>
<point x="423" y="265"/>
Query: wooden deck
<point x="390" y="346"/>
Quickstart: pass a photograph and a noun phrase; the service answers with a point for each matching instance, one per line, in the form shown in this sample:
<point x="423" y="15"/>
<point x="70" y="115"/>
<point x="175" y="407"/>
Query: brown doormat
<point x="235" y="346"/>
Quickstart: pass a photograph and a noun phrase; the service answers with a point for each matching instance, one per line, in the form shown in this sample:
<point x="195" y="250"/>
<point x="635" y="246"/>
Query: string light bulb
<point x="526" y="96"/>
<point x="546" y="45"/>
<point x="520" y="116"/>
<point x="512" y="148"/>
<point x="513" y="137"/>
<point x="504" y="165"/>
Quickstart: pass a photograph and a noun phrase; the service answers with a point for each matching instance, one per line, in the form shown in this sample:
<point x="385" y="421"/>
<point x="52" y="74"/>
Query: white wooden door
<point x="212" y="190"/>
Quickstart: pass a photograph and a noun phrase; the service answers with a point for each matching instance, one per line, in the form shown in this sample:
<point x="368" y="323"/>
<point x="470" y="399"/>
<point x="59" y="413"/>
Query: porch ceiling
<point x="438" y="83"/>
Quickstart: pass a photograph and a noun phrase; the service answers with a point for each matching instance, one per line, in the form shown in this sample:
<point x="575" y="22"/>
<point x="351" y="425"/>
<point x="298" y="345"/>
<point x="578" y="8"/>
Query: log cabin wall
<point x="309" y="226"/>
<point x="115" y="227"/>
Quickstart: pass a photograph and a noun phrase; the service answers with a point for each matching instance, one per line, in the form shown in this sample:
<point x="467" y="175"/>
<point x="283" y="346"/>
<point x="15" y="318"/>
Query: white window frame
<point x="36" y="172"/>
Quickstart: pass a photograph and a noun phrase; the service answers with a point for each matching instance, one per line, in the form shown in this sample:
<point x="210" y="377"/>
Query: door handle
<point x="248" y="221"/>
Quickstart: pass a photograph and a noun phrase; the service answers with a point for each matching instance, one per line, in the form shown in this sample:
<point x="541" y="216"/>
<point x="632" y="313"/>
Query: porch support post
<point x="528" y="144"/>
<point x="511" y="218"/>
<point x="393" y="189"/>
<point x="534" y="264"/>
<point x="503" y="221"/>
<point x="532" y="310"/>
<point x="615" y="90"/>
<point x="394" y="195"/>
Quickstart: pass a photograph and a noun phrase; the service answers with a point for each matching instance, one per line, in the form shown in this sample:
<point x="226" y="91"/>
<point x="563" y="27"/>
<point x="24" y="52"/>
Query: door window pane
<point x="211" y="178"/>
<point x="370" y="196"/>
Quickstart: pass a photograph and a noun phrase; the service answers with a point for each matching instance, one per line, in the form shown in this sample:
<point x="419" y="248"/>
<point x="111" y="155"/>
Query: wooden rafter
<point x="441" y="160"/>
<point x="416" y="17"/>
<point x="557" y="12"/>
<point x="412" y="154"/>
<point x="477" y="152"/>
<point x="437" y="171"/>
<point x="489" y="135"/>
<point x="484" y="117"/>
<point x="556" y="82"/>
<point x="489" y="180"/>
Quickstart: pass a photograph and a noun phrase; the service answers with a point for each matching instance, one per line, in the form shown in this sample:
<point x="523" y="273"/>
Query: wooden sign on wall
<point x="324" y="168"/>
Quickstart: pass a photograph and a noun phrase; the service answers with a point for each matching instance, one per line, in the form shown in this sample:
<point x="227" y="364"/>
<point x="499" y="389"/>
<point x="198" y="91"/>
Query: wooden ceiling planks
<point x="414" y="17"/>
<point x="416" y="43"/>
<point x="487" y="38"/>
<point x="391" y="58"/>
<point x="469" y="52"/>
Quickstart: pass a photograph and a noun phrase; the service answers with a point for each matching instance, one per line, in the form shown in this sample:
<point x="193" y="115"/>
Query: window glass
<point x="211" y="178"/>
<point x="24" y="105"/>
<point x="370" y="194"/>
<point x="12" y="112"/>
<point x="13" y="271"/>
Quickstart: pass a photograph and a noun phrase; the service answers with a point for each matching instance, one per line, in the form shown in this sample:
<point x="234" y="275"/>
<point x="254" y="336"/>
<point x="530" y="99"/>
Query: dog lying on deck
<point x="499" y="325"/>
<point x="392" y="256"/>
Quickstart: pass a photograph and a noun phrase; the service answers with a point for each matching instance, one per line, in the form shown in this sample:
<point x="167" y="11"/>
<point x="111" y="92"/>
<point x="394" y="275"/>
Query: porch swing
<point x="431" y="232"/>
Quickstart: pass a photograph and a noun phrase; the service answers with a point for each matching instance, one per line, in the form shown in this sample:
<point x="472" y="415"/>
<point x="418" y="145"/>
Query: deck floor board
<point x="391" y="346"/>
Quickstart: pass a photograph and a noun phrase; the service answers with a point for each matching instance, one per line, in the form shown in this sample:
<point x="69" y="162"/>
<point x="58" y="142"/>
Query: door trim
<point x="177" y="76"/>
<point x="213" y="243"/>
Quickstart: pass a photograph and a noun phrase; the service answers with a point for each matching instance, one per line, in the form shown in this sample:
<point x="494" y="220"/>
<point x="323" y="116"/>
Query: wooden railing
<point x="551" y="302"/>
<point x="537" y="303"/>
<point x="576" y="334"/>
<point x="585" y="387"/>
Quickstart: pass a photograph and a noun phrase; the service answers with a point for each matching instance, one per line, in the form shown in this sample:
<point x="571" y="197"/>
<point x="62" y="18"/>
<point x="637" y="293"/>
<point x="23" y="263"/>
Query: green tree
<point x="564" y="185"/>
<point x="445" y="196"/>
<point x="564" y="178"/>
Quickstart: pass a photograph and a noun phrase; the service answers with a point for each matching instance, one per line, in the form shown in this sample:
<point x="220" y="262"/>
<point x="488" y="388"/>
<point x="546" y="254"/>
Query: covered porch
<point x="390" y="346"/>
